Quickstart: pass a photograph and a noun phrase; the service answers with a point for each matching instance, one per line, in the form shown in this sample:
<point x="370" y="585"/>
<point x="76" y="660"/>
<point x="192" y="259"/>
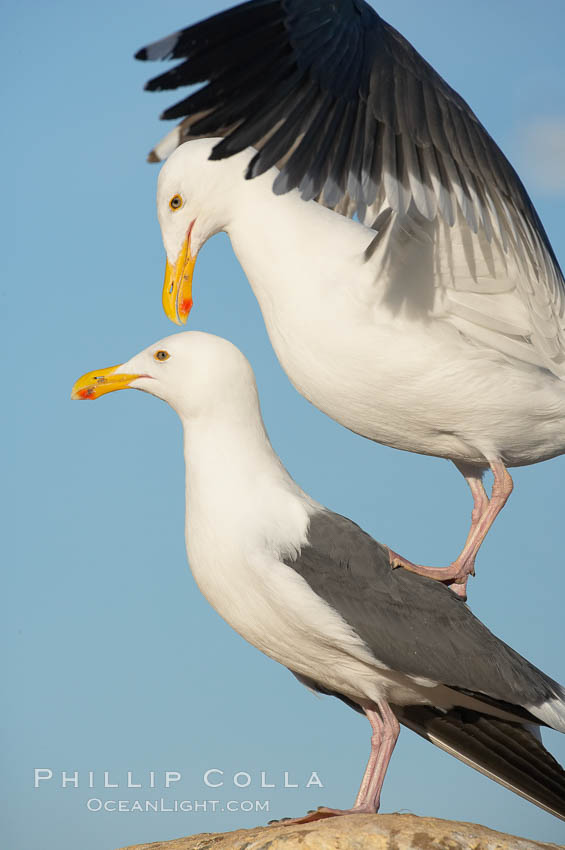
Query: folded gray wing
<point x="411" y="624"/>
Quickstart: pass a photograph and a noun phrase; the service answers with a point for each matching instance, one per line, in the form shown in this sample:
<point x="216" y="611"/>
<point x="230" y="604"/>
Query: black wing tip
<point x="255" y="167"/>
<point x="157" y="84"/>
<point x="224" y="149"/>
<point x="142" y="55"/>
<point x="152" y="157"/>
<point x="227" y="148"/>
<point x="176" y="111"/>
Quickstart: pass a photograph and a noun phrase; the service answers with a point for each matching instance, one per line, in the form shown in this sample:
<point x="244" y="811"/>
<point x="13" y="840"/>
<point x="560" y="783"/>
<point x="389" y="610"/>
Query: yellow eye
<point x="176" y="202"/>
<point x="161" y="355"/>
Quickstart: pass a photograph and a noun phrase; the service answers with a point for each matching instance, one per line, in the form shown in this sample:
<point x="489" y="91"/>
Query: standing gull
<point x="312" y="590"/>
<point x="436" y="322"/>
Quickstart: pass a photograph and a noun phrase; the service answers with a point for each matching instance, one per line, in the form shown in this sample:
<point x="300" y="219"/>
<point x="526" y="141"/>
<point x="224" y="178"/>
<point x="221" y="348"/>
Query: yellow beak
<point x="102" y="381"/>
<point x="177" y="288"/>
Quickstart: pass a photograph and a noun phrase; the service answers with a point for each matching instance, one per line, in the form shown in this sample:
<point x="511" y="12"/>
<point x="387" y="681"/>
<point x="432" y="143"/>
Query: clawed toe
<point x="454" y="576"/>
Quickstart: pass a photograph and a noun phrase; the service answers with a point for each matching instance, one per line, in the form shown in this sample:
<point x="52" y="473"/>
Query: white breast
<point x="243" y="511"/>
<point x="413" y="383"/>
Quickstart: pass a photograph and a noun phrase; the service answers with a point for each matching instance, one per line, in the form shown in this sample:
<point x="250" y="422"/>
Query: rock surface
<point x="356" y="832"/>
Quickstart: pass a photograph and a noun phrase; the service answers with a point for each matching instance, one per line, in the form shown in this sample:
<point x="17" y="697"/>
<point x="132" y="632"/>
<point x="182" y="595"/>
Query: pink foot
<point x="385" y="726"/>
<point x="454" y="576"/>
<point x="321" y="813"/>
<point x="485" y="511"/>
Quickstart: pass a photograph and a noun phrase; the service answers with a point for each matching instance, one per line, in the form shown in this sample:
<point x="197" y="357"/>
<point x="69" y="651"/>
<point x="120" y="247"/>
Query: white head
<point x="198" y="374"/>
<point x="195" y="200"/>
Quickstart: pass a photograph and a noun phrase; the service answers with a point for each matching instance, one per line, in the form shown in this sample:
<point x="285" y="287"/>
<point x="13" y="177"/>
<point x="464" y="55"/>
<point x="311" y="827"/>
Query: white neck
<point x="293" y="251"/>
<point x="239" y="497"/>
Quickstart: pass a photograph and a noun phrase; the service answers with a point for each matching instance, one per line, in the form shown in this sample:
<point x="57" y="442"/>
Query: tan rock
<point x="357" y="832"/>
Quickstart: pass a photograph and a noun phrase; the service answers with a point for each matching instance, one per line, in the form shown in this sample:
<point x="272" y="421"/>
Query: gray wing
<point x="358" y="120"/>
<point x="411" y="624"/>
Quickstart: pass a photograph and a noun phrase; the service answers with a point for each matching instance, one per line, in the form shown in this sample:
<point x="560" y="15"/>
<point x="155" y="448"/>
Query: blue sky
<point x="114" y="661"/>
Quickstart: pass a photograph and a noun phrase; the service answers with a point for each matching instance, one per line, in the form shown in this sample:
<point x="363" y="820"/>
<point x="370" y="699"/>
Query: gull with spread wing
<point x="407" y="284"/>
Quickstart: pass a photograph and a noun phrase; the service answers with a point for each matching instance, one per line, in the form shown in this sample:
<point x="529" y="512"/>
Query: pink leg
<point x="386" y="729"/>
<point x="484" y="513"/>
<point x="382" y="746"/>
<point x="377" y="726"/>
<point x="474" y="478"/>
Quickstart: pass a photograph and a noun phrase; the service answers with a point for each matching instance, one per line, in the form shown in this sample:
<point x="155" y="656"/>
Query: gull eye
<point x="176" y="202"/>
<point x="161" y="355"/>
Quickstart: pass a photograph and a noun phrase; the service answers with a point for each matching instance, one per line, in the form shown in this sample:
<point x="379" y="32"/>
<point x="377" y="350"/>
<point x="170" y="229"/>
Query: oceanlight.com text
<point x="95" y="804"/>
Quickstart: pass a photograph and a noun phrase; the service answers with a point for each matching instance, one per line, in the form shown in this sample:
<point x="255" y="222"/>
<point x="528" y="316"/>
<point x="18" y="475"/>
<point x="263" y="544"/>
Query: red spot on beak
<point x="88" y="392"/>
<point x="185" y="306"/>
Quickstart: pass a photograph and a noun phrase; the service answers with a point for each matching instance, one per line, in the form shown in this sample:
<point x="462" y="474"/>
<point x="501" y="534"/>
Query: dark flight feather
<point x="347" y="52"/>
